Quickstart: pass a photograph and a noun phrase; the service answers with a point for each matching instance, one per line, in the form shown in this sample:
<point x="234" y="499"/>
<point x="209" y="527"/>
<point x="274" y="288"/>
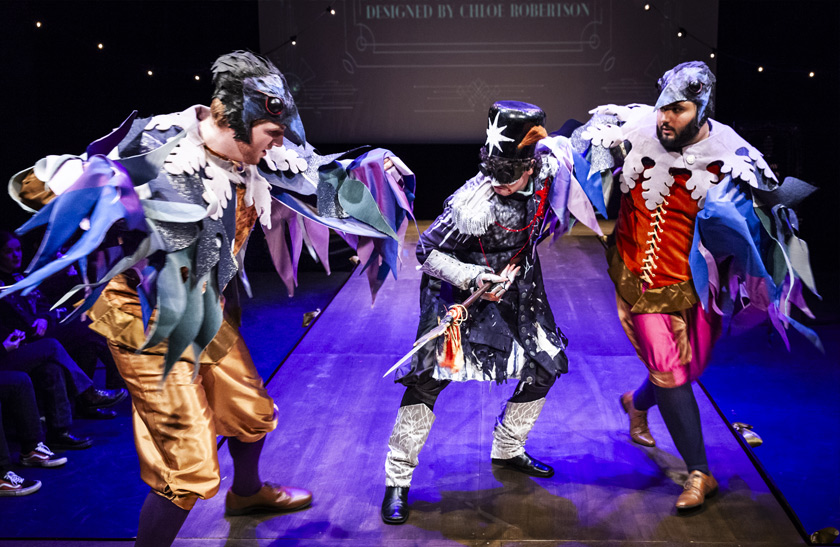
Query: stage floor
<point x="337" y="411"/>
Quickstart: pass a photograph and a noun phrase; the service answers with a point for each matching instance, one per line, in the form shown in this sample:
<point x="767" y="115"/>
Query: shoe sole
<point x="21" y="491"/>
<point x="48" y="463"/>
<point x="263" y="509"/>
<point x="110" y="415"/>
<point x="393" y="521"/>
<point x="707" y="496"/>
<point x="82" y="446"/>
<point x="115" y="402"/>
<point x="504" y="465"/>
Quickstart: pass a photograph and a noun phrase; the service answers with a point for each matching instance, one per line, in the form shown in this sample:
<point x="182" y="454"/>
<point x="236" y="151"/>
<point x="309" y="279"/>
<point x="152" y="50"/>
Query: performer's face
<point x="676" y="125"/>
<point x="264" y="136"/>
<point x="10" y="256"/>
<point x="508" y="189"/>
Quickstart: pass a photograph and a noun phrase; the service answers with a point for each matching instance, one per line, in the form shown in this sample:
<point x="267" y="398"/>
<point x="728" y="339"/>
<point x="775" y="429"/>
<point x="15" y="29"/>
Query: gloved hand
<point x="501" y="282"/>
<point x="603" y="135"/>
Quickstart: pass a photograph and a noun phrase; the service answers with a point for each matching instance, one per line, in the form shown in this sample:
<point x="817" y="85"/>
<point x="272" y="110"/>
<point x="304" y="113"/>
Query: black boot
<point x="100" y="398"/>
<point x="526" y="464"/>
<point x="62" y="439"/>
<point x="395" y="505"/>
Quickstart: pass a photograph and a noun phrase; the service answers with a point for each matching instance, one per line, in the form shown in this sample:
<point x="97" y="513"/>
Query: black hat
<point x="507" y="124"/>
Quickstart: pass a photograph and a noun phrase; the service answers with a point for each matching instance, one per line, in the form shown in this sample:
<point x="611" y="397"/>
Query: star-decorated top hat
<point x="507" y="124"/>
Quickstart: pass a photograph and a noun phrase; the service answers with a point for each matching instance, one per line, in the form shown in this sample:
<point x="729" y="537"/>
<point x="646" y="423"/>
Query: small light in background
<point x="680" y="33"/>
<point x="100" y="46"/>
<point x="647" y="7"/>
<point x="761" y="69"/>
<point x="197" y="77"/>
<point x="293" y="40"/>
<point x="37" y="24"/>
<point x="712" y="55"/>
<point x="811" y="74"/>
<point x="150" y="73"/>
<point x="330" y="10"/>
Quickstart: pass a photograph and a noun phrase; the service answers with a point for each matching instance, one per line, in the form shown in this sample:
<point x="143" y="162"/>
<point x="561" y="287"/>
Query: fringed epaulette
<point x="472" y="206"/>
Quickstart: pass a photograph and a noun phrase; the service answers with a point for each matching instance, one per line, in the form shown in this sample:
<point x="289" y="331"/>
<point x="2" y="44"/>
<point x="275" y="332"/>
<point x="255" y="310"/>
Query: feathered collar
<point x="736" y="156"/>
<point x="191" y="157"/>
<point x="474" y="204"/>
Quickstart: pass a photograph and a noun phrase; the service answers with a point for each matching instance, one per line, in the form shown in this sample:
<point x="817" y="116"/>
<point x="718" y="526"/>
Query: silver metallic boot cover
<point x="512" y="428"/>
<point x="409" y="435"/>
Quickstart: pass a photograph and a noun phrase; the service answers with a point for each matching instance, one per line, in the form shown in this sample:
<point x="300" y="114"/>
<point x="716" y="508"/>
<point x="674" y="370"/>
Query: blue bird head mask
<point x="692" y="81"/>
<point x="251" y="89"/>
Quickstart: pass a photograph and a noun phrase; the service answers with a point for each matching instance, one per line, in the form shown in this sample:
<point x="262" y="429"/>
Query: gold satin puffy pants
<point x="176" y="424"/>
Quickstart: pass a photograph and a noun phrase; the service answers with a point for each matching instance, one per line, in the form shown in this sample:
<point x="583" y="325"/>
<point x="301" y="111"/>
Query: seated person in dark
<point x="32" y="314"/>
<point x="39" y="364"/>
<point x="17" y="400"/>
<point x="24" y="323"/>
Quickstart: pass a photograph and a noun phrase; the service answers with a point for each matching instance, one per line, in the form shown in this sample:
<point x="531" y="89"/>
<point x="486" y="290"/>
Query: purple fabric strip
<point x="108" y="142"/>
<point x="319" y="235"/>
<point x="277" y="247"/>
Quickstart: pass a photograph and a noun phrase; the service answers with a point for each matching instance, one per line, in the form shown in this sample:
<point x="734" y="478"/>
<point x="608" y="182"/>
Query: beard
<point x="681" y="137"/>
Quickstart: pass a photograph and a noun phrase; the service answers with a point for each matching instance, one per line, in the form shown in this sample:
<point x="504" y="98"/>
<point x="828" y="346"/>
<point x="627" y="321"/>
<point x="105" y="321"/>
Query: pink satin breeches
<point x="675" y="347"/>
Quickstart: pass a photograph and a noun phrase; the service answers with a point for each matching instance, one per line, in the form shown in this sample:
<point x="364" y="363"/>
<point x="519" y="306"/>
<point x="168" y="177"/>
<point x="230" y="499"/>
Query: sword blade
<point x="422" y="341"/>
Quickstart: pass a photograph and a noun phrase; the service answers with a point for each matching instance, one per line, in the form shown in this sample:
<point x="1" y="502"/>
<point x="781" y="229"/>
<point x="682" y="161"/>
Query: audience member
<point x="17" y="397"/>
<point x="30" y="317"/>
<point x="33" y="315"/>
<point x="39" y="362"/>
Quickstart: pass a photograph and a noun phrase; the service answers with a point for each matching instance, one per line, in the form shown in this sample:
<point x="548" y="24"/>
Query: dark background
<point x="60" y="92"/>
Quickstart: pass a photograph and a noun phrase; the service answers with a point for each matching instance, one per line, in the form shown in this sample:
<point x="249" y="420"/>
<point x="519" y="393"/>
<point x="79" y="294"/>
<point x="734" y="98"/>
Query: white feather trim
<point x="472" y="208"/>
<point x="285" y="159"/>
<point x="190" y="157"/>
<point x="722" y="145"/>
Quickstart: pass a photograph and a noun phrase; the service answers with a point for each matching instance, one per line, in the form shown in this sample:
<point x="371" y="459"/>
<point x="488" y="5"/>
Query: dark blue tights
<point x="682" y="418"/>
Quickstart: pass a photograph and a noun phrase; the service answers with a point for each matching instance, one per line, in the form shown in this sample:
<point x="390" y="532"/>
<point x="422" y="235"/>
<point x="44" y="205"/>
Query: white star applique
<point x="495" y="136"/>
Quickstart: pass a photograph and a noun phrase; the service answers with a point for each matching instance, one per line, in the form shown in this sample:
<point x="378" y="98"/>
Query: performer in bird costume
<point x="704" y="228"/>
<point x="161" y="210"/>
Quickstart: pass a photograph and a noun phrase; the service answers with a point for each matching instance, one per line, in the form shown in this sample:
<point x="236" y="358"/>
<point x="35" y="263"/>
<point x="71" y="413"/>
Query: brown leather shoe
<point x="639" y="431"/>
<point x="697" y="488"/>
<point x="271" y="498"/>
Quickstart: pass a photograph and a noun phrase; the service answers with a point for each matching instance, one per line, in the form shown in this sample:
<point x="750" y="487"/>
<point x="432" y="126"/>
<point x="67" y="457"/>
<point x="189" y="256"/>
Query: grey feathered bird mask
<point x="251" y="89"/>
<point x="692" y="81"/>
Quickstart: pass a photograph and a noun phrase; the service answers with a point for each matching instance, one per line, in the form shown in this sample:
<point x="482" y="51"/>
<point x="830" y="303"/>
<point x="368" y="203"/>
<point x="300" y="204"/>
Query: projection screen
<point x="390" y="71"/>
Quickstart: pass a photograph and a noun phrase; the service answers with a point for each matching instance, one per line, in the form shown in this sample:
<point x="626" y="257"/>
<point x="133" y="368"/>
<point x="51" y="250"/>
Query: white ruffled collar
<point x="472" y="206"/>
<point x="190" y="157"/>
<point x="737" y="158"/>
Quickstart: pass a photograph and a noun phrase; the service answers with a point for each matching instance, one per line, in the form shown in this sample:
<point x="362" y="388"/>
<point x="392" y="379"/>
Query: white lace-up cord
<point x="42" y="448"/>
<point x="13" y="478"/>
<point x="652" y="244"/>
